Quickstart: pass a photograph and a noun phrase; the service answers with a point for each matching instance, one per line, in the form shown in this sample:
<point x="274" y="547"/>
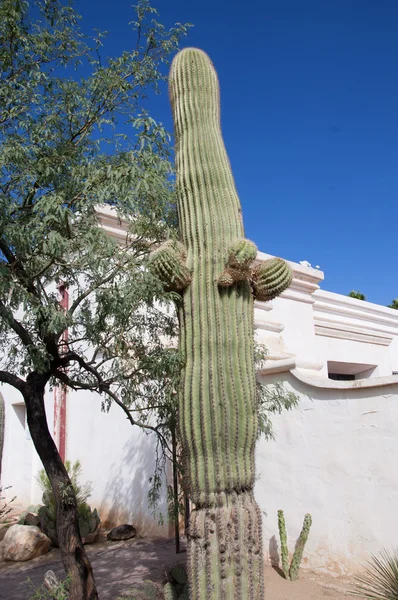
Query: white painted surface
<point x="333" y="457"/>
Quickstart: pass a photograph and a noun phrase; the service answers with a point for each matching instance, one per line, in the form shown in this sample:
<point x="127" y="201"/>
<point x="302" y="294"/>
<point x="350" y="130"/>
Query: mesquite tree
<point x="212" y="267"/>
<point x="60" y="158"/>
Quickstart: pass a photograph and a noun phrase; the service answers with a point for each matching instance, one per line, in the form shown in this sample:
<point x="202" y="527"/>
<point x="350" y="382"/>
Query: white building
<point x="334" y="456"/>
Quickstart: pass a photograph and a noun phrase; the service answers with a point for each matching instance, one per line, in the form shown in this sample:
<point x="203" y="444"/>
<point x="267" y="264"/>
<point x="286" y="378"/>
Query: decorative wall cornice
<point x="348" y="318"/>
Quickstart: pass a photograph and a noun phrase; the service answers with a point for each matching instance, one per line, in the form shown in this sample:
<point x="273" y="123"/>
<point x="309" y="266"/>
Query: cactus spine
<point x="2" y="428"/>
<point x="217" y="406"/>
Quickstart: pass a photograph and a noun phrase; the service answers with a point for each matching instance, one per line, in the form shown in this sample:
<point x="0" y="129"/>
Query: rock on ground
<point x="122" y="532"/>
<point x="24" y="542"/>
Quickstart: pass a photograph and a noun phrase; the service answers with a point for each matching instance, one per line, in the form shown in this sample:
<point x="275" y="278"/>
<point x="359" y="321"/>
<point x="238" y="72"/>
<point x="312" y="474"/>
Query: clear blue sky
<point x="309" y="94"/>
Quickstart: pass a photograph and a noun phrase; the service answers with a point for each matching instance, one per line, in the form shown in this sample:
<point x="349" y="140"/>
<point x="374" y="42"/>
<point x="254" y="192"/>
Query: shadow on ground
<point x="118" y="567"/>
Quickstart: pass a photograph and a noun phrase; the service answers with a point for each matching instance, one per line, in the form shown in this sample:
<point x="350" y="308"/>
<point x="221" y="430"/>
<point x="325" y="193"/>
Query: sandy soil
<point x="119" y="566"/>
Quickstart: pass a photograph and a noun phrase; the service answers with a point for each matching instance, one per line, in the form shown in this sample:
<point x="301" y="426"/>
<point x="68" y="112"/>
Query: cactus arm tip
<point x="271" y="278"/>
<point x="168" y="263"/>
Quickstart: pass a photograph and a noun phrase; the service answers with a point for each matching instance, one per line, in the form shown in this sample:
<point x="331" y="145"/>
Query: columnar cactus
<point x="292" y="573"/>
<point x="217" y="403"/>
<point x="298" y="552"/>
<point x="283" y="538"/>
<point x="2" y="428"/>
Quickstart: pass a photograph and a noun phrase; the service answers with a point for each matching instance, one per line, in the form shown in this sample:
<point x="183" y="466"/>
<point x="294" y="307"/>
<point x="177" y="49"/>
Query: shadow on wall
<point x="125" y="499"/>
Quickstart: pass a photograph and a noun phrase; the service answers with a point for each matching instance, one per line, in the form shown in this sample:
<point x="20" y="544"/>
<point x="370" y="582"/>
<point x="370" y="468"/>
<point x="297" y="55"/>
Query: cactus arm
<point x="241" y="254"/>
<point x="271" y="278"/>
<point x="283" y="539"/>
<point x="168" y="263"/>
<point x="298" y="552"/>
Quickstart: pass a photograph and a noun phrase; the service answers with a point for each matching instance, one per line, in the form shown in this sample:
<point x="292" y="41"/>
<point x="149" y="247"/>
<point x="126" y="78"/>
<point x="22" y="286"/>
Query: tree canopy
<point x="356" y="294"/>
<point x="61" y="157"/>
<point x="63" y="154"/>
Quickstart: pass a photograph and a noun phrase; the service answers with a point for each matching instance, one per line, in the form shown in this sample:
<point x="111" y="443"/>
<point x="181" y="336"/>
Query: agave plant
<point x="380" y="579"/>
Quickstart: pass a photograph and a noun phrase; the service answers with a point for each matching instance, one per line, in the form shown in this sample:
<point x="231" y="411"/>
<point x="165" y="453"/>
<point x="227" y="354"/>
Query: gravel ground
<point x="119" y="566"/>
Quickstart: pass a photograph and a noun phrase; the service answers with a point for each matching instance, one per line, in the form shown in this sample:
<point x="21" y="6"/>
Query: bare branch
<point x="11" y="379"/>
<point x="15" y="325"/>
<point x="104" y="387"/>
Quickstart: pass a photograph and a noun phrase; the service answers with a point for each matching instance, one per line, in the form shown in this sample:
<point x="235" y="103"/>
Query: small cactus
<point x="292" y="573"/>
<point x="175" y="586"/>
<point x="298" y="553"/>
<point x="283" y="538"/>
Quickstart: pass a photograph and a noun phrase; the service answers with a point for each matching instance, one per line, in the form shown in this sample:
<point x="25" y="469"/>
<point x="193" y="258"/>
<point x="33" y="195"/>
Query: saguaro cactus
<point x="217" y="405"/>
<point x="2" y="429"/>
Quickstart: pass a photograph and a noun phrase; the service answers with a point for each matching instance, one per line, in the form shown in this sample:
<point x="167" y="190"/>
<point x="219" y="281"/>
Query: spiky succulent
<point x="299" y="549"/>
<point x="292" y="572"/>
<point x="270" y="278"/>
<point x="167" y="262"/>
<point x="283" y="539"/>
<point x="379" y="581"/>
<point x="217" y="401"/>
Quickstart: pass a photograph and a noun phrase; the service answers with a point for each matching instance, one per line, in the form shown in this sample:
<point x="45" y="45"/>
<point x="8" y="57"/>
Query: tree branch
<point x="14" y="380"/>
<point x="92" y="289"/>
<point x="15" y="325"/>
<point x="104" y="387"/>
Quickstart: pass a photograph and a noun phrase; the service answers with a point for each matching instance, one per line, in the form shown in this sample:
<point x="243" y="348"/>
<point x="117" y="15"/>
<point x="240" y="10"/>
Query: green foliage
<point x="357" y="295"/>
<point x="394" y="304"/>
<point x="5" y="508"/>
<point x="380" y="578"/>
<point x="292" y="572"/>
<point x="89" y="520"/>
<point x="82" y="491"/>
<point x="62" y="158"/>
<point x="59" y="592"/>
<point x="175" y="586"/>
<point x="271" y="398"/>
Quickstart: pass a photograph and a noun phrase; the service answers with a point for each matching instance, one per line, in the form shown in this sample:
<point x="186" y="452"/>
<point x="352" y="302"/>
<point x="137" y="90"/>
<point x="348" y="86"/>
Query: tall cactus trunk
<point x="2" y="429"/>
<point x="217" y="406"/>
<point x="211" y="267"/>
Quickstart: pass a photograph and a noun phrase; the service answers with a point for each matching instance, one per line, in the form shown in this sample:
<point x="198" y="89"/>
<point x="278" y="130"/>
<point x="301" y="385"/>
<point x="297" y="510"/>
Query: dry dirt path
<point x="118" y="566"/>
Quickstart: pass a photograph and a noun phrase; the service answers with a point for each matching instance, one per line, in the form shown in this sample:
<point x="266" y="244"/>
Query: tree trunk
<point x="74" y="557"/>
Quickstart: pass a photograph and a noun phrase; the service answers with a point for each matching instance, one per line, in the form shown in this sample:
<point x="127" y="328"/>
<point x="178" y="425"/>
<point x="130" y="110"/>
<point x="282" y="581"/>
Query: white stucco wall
<point x="116" y="458"/>
<point x="20" y="463"/>
<point x="334" y="458"/>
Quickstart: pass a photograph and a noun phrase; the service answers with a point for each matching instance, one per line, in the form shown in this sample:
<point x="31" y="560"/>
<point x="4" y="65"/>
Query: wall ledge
<point x="357" y="384"/>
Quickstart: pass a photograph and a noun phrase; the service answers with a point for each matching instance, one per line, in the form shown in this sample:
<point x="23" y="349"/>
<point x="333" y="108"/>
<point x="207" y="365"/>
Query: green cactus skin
<point x="240" y="257"/>
<point x="2" y="428"/>
<point x="283" y="539"/>
<point x="271" y="278"/>
<point x="167" y="262"/>
<point x="298" y="553"/>
<point x="169" y="592"/>
<point x="217" y="407"/>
